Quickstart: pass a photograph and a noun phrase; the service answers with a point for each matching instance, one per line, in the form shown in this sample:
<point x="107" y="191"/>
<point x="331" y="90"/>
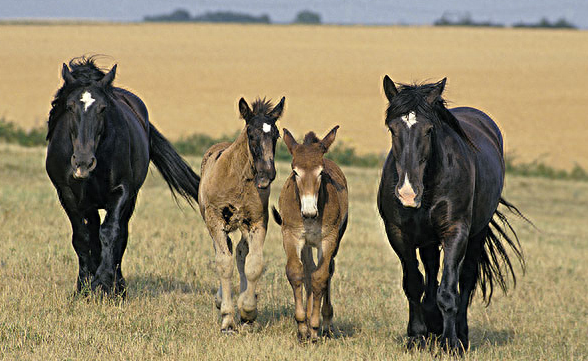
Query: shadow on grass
<point x="274" y="314"/>
<point x="154" y="285"/>
<point x="480" y="337"/>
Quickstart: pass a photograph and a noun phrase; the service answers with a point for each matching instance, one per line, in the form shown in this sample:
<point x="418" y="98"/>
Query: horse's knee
<point x="447" y="301"/>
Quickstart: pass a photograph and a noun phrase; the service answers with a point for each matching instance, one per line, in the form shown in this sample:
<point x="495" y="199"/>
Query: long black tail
<point x="495" y="264"/>
<point x="177" y="173"/>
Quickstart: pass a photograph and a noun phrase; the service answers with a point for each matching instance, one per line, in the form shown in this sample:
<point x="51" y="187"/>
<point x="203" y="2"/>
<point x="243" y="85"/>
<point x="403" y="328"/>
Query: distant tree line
<point x="182" y="15"/>
<point x="448" y="19"/>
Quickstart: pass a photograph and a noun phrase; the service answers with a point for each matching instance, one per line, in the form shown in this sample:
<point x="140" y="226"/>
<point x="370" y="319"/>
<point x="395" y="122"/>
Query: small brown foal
<point x="313" y="206"/>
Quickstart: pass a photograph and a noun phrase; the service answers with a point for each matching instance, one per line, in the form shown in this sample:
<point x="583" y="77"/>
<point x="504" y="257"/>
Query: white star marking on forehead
<point x="266" y="127"/>
<point x="87" y="100"/>
<point x="410" y="119"/>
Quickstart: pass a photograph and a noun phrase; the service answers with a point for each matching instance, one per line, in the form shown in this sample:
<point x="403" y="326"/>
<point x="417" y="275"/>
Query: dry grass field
<point x="170" y="313"/>
<point x="533" y="82"/>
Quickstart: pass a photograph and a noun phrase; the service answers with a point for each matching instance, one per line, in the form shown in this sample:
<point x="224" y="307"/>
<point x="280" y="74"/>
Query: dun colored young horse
<point x="441" y="186"/>
<point x="100" y="145"/>
<point x="234" y="193"/>
<point x="313" y="204"/>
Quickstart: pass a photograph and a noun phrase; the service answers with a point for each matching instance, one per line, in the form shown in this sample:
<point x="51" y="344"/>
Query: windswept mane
<point x="85" y="72"/>
<point x="413" y="97"/>
<point x="262" y="106"/>
<point x="311" y="138"/>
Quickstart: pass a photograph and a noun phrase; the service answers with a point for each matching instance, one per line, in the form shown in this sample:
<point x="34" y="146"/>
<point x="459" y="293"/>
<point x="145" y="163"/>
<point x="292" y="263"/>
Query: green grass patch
<point x="342" y="154"/>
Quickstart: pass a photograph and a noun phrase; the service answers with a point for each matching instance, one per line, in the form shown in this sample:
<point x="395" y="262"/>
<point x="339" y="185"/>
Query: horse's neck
<point x="239" y="158"/>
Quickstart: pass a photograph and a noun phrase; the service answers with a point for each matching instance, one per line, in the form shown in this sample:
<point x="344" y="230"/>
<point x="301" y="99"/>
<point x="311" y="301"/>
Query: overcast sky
<point x="332" y="11"/>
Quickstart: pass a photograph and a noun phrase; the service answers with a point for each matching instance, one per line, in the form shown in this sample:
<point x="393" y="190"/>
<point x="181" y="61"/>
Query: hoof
<point x="228" y="331"/>
<point x="248" y="316"/>
<point x="416" y="343"/>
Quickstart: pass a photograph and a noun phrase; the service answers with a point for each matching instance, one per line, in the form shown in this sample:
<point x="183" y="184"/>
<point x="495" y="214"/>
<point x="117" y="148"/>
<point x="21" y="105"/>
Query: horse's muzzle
<point x="82" y="166"/>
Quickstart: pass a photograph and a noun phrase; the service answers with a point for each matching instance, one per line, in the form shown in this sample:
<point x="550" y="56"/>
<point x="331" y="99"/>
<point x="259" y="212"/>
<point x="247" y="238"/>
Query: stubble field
<point x="169" y="266"/>
<point x="532" y="82"/>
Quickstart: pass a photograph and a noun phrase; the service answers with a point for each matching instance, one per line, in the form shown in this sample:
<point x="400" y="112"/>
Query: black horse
<point x="100" y="145"/>
<point x="441" y="186"/>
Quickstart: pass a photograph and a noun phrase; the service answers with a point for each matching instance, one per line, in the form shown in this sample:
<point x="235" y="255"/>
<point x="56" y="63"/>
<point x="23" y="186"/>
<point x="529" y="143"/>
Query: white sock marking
<point x="266" y="127"/>
<point x="410" y="119"/>
<point x="87" y="100"/>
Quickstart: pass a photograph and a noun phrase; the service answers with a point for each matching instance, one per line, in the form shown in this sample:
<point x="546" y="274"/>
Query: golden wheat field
<point x="532" y="82"/>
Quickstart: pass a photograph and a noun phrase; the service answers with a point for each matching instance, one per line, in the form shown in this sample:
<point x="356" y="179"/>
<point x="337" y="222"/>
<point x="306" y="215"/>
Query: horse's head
<point x="262" y="135"/>
<point x="308" y="165"/>
<point x="411" y="119"/>
<point x="86" y="105"/>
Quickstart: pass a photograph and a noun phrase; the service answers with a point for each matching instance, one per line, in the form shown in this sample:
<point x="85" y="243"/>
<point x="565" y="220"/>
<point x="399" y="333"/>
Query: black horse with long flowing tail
<point x="100" y="145"/>
<point x="441" y="187"/>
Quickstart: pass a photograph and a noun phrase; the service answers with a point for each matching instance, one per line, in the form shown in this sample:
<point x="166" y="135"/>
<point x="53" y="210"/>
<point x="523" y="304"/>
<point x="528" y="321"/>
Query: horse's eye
<point x="428" y="132"/>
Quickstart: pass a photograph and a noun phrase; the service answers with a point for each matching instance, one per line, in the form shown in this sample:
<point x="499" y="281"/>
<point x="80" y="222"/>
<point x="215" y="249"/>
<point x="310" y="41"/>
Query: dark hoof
<point x="452" y="347"/>
<point x="416" y="343"/>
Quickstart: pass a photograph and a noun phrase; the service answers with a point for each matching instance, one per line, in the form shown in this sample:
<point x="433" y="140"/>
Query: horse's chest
<point x="312" y="233"/>
<point x="418" y="230"/>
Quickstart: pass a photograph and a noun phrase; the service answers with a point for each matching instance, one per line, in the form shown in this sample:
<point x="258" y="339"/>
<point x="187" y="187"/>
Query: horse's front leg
<point x="454" y="244"/>
<point x="247" y="302"/>
<point x="111" y="231"/>
<point x="433" y="318"/>
<point x="320" y="281"/>
<point x="80" y="238"/>
<point x="412" y="283"/>
<point x="296" y="277"/>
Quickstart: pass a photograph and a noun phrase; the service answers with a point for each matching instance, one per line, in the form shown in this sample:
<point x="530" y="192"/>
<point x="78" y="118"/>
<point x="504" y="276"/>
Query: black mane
<point x="413" y="97"/>
<point x="311" y="138"/>
<point x="262" y="106"/>
<point x="85" y="72"/>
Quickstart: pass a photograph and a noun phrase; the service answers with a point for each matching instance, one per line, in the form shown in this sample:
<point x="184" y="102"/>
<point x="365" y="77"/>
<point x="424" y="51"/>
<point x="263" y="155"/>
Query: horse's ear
<point x="329" y="139"/>
<point x="278" y="109"/>
<point x="389" y="88"/>
<point x="437" y="91"/>
<point x="66" y="74"/>
<point x="244" y="109"/>
<point x="290" y="141"/>
<point x="109" y="77"/>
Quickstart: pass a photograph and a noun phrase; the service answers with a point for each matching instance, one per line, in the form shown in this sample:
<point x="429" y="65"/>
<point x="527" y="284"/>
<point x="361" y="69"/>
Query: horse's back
<point x="488" y="159"/>
<point x="212" y="154"/>
<point x="136" y="105"/>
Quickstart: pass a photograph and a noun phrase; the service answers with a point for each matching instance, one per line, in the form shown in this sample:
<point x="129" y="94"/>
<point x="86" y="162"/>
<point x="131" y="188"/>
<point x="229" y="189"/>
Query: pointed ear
<point x="277" y="111"/>
<point x="389" y="88"/>
<point x="109" y="77"/>
<point x="66" y="74"/>
<point x="437" y="91"/>
<point x="329" y="139"/>
<point x="244" y="109"/>
<point x="290" y="141"/>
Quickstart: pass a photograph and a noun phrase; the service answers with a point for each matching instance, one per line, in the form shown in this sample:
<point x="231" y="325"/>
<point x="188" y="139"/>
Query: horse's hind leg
<point x="327" y="309"/>
<point x="93" y="223"/>
<point x="433" y="318"/>
<point x="467" y="283"/>
<point x="241" y="254"/>
<point x="120" y="283"/>
<point x="223" y="250"/>
<point x="247" y="302"/>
